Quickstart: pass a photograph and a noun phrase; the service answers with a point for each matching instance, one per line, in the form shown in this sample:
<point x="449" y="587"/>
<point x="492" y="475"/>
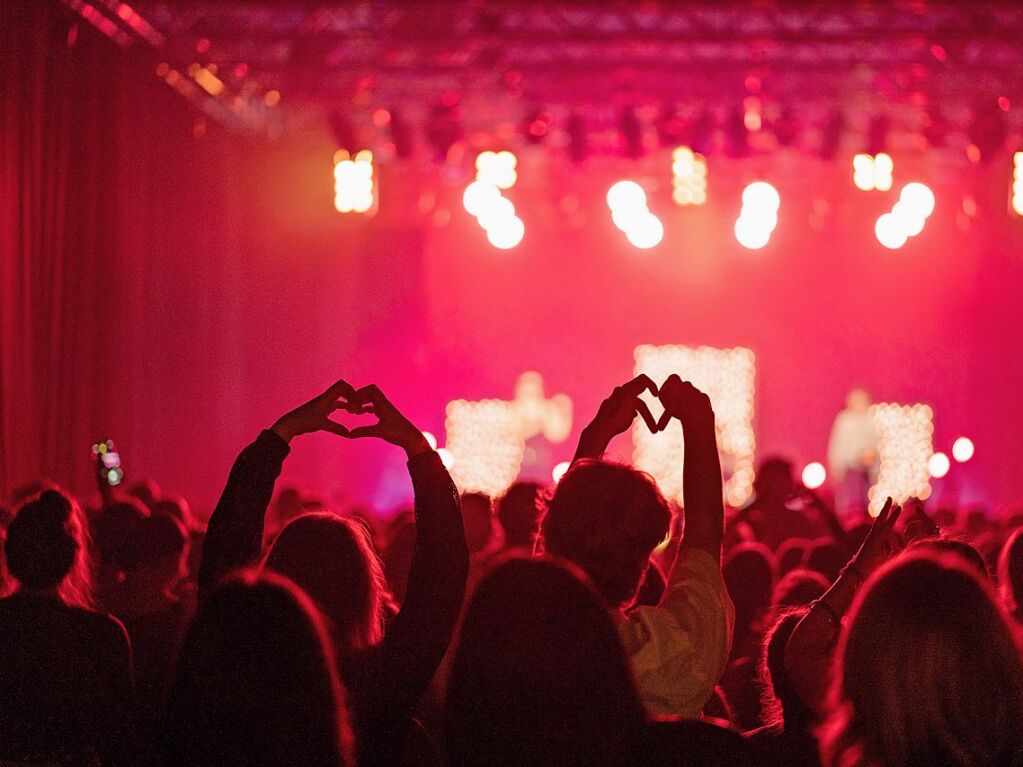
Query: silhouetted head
<point x="175" y="506"/>
<point x="1010" y="573"/>
<point x="774" y="482"/>
<point x="606" y="518"/>
<point x="749" y="571"/>
<point x="112" y="526"/>
<point x="478" y="518"/>
<point x="858" y="401"/>
<point x="156" y="551"/>
<point x="46" y="548"/>
<point x="256" y="681"/>
<point x="780" y="702"/>
<point x="927" y="670"/>
<point x="519" y="514"/>
<point x="145" y="490"/>
<point x="6" y="515"/>
<point x="333" y="560"/>
<point x="791" y="553"/>
<point x="825" y="557"/>
<point x="539" y="674"/>
<point x="797" y="588"/>
<point x="959" y="548"/>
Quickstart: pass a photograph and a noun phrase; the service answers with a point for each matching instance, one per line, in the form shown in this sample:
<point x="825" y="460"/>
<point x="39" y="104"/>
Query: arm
<point x="701" y="470"/>
<point x="234" y="536"/>
<point x="419" y="635"/>
<point x="808" y="651"/>
<point x="616" y="415"/>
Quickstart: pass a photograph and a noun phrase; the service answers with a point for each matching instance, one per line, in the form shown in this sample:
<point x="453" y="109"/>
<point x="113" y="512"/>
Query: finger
<point x="340" y="388"/>
<point x="646" y="415"/>
<point x="354" y="407"/>
<point x="665" y="420"/>
<point x="637" y="385"/>
<point x="371" y="394"/>
<point x="334" y="428"/>
<point x="883" y="514"/>
<point x="894" y="517"/>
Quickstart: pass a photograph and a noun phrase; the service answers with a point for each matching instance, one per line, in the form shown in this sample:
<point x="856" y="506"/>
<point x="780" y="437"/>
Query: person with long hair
<point x="66" y="692"/>
<point x="607" y="518"/>
<point x="256" y="682"/>
<point x="539" y="675"/>
<point x="928" y="671"/>
<point x="333" y="561"/>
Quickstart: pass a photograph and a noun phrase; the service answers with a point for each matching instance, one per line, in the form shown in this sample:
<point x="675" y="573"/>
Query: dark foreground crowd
<point x="588" y="624"/>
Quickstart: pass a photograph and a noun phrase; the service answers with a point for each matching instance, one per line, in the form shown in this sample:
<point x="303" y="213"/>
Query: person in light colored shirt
<point x="852" y="453"/>
<point x="607" y="519"/>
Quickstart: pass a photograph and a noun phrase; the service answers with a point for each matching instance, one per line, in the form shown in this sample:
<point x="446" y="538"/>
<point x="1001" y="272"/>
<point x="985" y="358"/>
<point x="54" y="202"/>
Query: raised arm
<point x="701" y="470"/>
<point x="234" y="535"/>
<point x="418" y="636"/>
<point x="809" y="650"/>
<point x="615" y="415"/>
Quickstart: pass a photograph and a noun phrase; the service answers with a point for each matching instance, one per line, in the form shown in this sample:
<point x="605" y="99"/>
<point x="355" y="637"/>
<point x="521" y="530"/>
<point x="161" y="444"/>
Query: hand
<point x="919" y="525"/>
<point x="617" y="412"/>
<point x="314" y="415"/>
<point x="391" y="426"/>
<point x="685" y="402"/>
<point x="881" y="542"/>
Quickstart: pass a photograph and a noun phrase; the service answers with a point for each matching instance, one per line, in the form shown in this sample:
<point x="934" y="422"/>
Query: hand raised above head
<point x="391" y="426"/>
<point x="620" y="409"/>
<point x="685" y="402"/>
<point x="314" y="415"/>
<point x="881" y="542"/>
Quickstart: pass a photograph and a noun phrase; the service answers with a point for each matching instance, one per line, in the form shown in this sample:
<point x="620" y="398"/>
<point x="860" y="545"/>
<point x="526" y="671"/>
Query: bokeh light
<point x="483" y="199"/>
<point x="1017" y="183"/>
<point x="559" y="471"/>
<point x="873" y="172"/>
<point x="814" y="475"/>
<point x="962" y="449"/>
<point x="905" y="447"/>
<point x="688" y="177"/>
<point x="759" y="215"/>
<point x="727" y="376"/>
<point x="629" y="212"/>
<point x="485" y="444"/>
<point x="354" y="186"/>
<point x="938" y="465"/>
<point x="430" y="440"/>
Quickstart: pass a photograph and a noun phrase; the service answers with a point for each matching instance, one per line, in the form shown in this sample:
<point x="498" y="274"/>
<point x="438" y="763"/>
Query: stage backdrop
<point x="176" y="288"/>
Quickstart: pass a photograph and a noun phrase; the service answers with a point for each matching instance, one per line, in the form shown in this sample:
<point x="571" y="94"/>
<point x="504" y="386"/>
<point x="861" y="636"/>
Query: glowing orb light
<point x="814" y="475"/>
<point x="962" y="449"/>
<point x="938" y="465"/>
<point x="559" y="471"/>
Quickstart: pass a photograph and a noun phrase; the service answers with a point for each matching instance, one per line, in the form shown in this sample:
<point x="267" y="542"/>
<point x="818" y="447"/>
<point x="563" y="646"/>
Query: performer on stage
<point x="852" y="454"/>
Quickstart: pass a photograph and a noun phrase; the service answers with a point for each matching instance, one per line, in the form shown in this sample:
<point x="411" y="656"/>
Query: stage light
<point x="446" y="458"/>
<point x="938" y="465"/>
<point x="814" y="475"/>
<point x="430" y="440"/>
<point x="646" y="233"/>
<point x="626" y="195"/>
<point x="354" y="187"/>
<point x="1017" y="183"/>
<point x="483" y="199"/>
<point x="727" y="376"/>
<point x="759" y="215"/>
<point x="506" y="233"/>
<point x="904" y="450"/>
<point x="559" y="471"/>
<point x="919" y="198"/>
<point x="630" y="214"/>
<point x="962" y="449"/>
<point x="688" y="177"/>
<point x="873" y="172"/>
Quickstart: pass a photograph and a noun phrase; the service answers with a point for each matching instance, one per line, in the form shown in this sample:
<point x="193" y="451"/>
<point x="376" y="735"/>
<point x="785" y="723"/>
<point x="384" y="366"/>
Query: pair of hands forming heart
<point x="680" y="399"/>
<point x="391" y="425"/>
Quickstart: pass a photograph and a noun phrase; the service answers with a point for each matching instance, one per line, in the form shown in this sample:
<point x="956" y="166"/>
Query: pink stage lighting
<point x="873" y="172"/>
<point x="907" y="217"/>
<point x="483" y="199"/>
<point x="354" y="188"/>
<point x="759" y="215"/>
<point x="629" y="212"/>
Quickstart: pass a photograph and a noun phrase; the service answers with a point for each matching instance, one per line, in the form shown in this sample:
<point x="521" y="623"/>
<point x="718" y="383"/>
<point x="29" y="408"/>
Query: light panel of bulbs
<point x="354" y="187"/>
<point x="873" y="172"/>
<point x="727" y="376"/>
<point x="688" y="177"/>
<point x="485" y="444"/>
<point x="1017" y="183"/>
<point x="905" y="447"/>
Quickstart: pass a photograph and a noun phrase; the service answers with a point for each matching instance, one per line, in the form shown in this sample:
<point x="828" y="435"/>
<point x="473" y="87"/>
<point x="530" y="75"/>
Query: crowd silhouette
<point x="590" y="623"/>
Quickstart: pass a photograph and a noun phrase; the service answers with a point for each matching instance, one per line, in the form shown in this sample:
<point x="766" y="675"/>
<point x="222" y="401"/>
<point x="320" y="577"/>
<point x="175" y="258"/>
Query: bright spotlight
<point x="750" y="235"/>
<point x="646" y="233"/>
<point x="446" y="458"/>
<point x="688" y="177"/>
<point x="626" y="195"/>
<point x="918" y="197"/>
<point x="873" y="172"/>
<point x="889" y="232"/>
<point x="962" y="449"/>
<point x="559" y="471"/>
<point x="430" y="440"/>
<point x="938" y="465"/>
<point x="506" y="233"/>
<point x="354" y="190"/>
<point x="814" y="475"/>
<point x="760" y="194"/>
<point x="479" y="196"/>
<point x="1017" y="183"/>
<point x="759" y="215"/>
